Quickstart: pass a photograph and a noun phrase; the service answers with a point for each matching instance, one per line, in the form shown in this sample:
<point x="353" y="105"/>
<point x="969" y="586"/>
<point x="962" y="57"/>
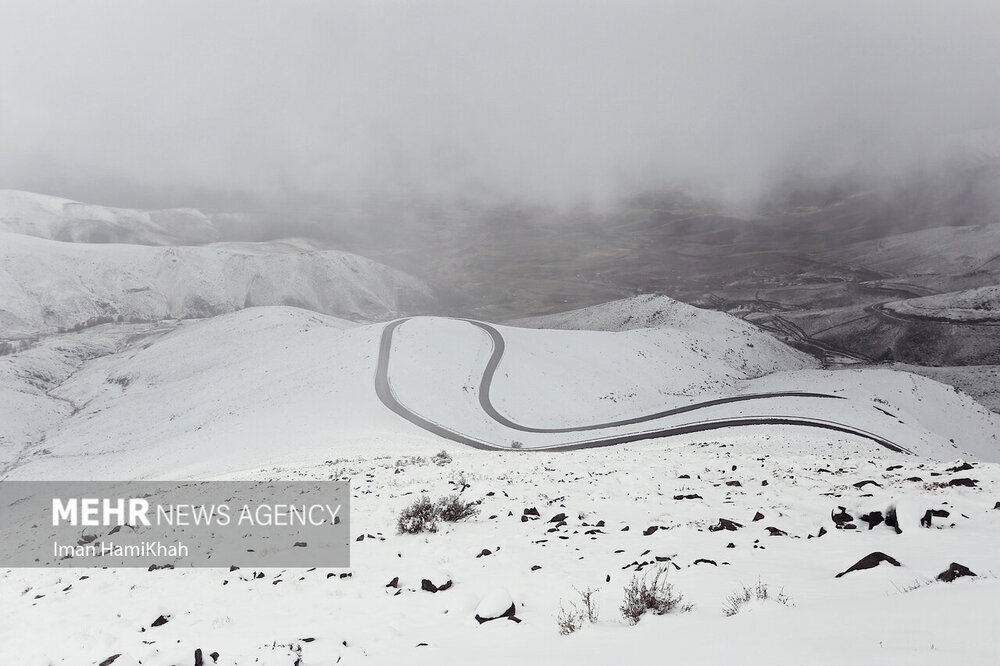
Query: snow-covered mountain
<point x="61" y="219"/>
<point x="50" y="285"/>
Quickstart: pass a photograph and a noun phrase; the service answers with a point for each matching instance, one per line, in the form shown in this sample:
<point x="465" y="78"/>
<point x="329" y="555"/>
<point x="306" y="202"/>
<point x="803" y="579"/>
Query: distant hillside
<point x="48" y="285"/>
<point x="61" y="219"/>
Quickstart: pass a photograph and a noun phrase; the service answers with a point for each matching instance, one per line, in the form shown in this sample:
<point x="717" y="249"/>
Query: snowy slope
<point x="47" y="285"/>
<point x="272" y="384"/>
<point x="653" y="311"/>
<point x="61" y="219"/>
<point x="937" y="252"/>
<point x="968" y="306"/>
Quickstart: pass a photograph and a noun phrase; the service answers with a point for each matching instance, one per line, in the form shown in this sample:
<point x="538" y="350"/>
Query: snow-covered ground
<point x="865" y="617"/>
<point x="282" y="392"/>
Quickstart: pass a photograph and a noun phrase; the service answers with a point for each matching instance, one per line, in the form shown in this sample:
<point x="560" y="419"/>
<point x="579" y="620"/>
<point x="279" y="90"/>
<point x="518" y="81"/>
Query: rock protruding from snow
<point x="436" y="581"/>
<point x="870" y="561"/>
<point x="955" y="570"/>
<point x="494" y="605"/>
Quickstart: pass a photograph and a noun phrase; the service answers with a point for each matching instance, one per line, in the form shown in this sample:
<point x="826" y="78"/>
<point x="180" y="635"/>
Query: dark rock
<point x="702" y="560"/>
<point x="484" y="552"/>
<point x="558" y="518"/>
<point x="774" y="531"/>
<point x="233" y="567"/>
<point x="531" y="512"/>
<point x="649" y="530"/>
<point x="214" y="656"/>
<point x="892" y="520"/>
<point x="873" y="519"/>
<point x="734" y="484"/>
<point x="822" y="531"/>
<point x="870" y="561"/>
<point x="961" y="468"/>
<point x="891" y="468"/>
<point x="968" y="483"/>
<point x="110" y="660"/>
<point x="524" y="519"/>
<point x="757" y="516"/>
<point x="198" y="659"/>
<point x="916" y="479"/>
<point x="393" y="583"/>
<point x="725" y="524"/>
<point x="160" y="621"/>
<point x="930" y="514"/>
<point x="954" y="571"/>
<point x="428" y="586"/>
<point x="996" y="506"/>
<point x="842" y="518"/>
<point x="764" y="482"/>
<point x="507" y="613"/>
<point x="536" y="567"/>
<point x="687" y="497"/>
<point x="731" y="545"/>
<point x="861" y="484"/>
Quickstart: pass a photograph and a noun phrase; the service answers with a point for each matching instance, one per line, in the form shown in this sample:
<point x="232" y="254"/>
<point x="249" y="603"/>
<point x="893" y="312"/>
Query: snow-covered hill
<point x="937" y="253"/>
<point x="49" y="285"/>
<point x="969" y="306"/>
<point x="274" y="384"/>
<point x="61" y="219"/>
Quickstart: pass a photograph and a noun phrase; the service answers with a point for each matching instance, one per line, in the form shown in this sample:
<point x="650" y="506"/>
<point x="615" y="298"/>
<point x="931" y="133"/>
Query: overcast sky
<point x="552" y="101"/>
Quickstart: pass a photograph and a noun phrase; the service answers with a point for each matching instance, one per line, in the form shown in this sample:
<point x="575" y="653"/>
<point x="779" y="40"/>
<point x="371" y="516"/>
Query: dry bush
<point x="735" y="602"/>
<point x="656" y="595"/>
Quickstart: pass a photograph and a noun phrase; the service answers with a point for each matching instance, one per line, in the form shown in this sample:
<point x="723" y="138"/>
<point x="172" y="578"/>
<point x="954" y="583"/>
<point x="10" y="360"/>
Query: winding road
<point x="383" y="388"/>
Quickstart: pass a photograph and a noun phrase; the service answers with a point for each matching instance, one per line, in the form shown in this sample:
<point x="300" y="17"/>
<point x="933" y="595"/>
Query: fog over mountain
<point x="296" y="109"/>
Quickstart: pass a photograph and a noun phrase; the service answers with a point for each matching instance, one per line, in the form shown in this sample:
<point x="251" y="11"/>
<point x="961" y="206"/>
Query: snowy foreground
<point x="283" y="393"/>
<point x="885" y="615"/>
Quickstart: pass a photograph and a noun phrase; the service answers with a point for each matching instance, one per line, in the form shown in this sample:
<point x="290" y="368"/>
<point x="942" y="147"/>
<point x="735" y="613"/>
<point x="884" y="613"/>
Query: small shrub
<point x="590" y="607"/>
<point x="735" y="602"/>
<point x="569" y="620"/>
<point x="451" y="509"/>
<point x="516" y="444"/>
<point x="421" y="516"/>
<point x="656" y="595"/>
<point x="442" y="457"/>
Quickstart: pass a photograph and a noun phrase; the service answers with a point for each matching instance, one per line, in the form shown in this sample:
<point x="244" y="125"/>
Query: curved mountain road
<point x="383" y="388"/>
